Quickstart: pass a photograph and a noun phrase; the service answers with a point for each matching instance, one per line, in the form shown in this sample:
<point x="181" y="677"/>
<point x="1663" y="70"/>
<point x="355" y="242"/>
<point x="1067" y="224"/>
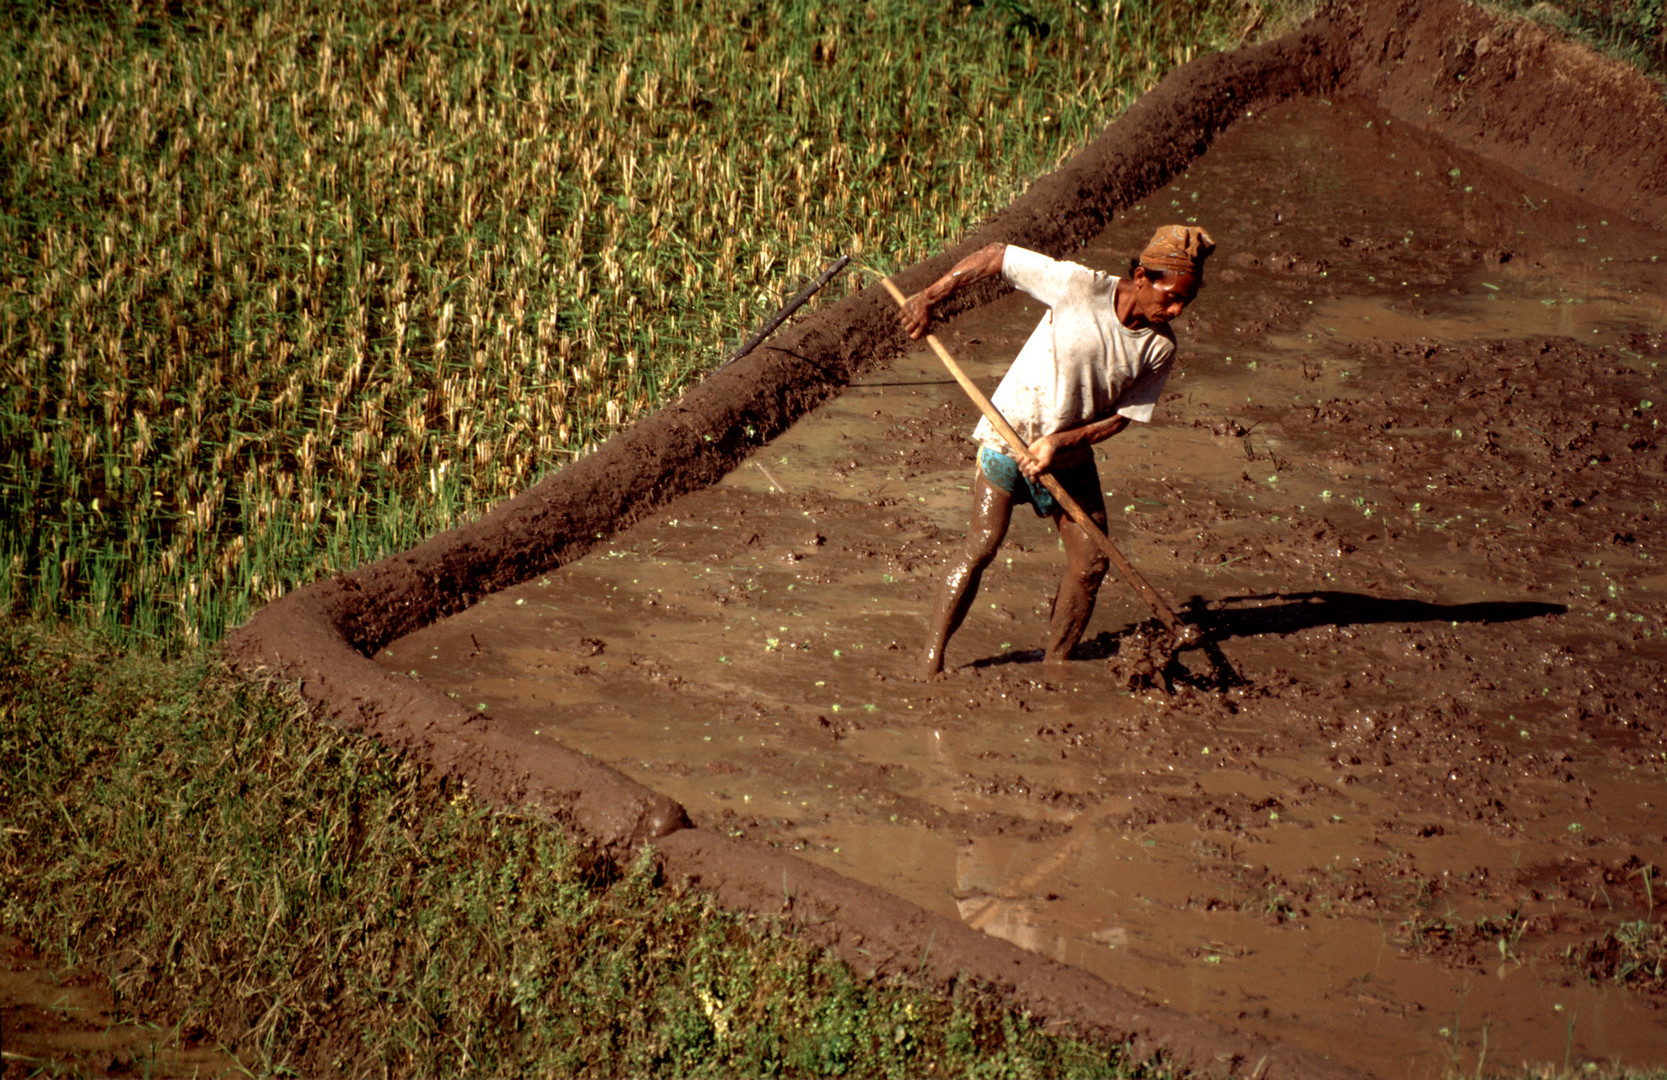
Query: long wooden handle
<point x="1162" y="610"/>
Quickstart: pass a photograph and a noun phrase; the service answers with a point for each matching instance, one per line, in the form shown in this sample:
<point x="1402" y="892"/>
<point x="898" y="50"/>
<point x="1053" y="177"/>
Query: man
<point x="1097" y="361"/>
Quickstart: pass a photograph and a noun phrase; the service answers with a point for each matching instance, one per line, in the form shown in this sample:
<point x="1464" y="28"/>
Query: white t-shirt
<point x="1080" y="364"/>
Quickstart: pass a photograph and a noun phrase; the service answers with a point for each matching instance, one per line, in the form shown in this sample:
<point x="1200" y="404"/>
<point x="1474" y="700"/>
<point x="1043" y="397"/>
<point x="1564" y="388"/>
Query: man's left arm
<point x="1134" y="403"/>
<point x="1042" y="451"/>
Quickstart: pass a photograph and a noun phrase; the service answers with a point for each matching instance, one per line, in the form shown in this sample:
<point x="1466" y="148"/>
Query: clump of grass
<point x="301" y="897"/>
<point x="1632" y="954"/>
<point x="1448" y="933"/>
<point x="289" y="288"/>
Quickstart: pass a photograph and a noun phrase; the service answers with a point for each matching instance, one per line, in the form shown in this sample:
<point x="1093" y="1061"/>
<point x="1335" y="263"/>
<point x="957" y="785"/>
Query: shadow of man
<point x="1290" y="612"/>
<point x="1287" y="613"/>
<point x="1274" y="613"/>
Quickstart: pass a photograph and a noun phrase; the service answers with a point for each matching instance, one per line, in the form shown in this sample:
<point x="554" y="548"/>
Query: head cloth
<point x="1178" y="249"/>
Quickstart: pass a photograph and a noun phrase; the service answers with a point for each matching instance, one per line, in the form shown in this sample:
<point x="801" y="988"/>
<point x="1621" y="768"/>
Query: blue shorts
<point x="1003" y="472"/>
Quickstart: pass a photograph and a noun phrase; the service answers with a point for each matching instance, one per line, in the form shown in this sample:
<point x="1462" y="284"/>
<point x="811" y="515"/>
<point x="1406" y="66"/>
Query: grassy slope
<point x="1634" y="31"/>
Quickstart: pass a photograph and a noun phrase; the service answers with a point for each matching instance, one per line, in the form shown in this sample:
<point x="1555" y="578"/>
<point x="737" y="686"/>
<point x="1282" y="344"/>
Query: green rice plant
<point x="274" y="271"/>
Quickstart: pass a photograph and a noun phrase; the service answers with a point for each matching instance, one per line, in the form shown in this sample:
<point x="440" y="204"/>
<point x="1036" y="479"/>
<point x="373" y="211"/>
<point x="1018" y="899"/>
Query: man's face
<point x="1158" y="300"/>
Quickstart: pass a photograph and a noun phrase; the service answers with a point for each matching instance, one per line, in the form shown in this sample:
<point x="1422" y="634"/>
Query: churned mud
<point x="1408" y="485"/>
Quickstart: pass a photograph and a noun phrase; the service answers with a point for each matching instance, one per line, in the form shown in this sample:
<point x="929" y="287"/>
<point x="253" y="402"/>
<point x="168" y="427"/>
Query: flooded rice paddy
<point x="1406" y="482"/>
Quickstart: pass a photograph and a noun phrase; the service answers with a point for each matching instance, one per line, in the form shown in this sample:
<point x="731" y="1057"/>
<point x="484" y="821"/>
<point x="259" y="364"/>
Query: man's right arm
<point x="980" y="265"/>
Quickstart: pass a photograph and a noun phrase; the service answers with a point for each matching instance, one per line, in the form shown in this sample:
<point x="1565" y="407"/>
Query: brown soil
<point x="1405" y="485"/>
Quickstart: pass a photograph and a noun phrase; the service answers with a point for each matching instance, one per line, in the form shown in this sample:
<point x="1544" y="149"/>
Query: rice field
<point x="286" y="287"/>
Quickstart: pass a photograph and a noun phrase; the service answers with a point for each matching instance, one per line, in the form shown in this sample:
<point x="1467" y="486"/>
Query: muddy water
<point x="1406" y="483"/>
<point x="66" y="1023"/>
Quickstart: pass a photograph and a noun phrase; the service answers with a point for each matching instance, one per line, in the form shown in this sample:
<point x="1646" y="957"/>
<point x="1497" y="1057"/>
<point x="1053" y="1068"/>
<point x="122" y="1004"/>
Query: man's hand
<point x="981" y="264"/>
<point x="915" y="315"/>
<point x="1040" y="457"/>
<point x="1041" y="454"/>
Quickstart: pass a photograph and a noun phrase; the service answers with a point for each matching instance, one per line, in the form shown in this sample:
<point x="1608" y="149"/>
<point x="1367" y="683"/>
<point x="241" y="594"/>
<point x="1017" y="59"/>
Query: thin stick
<point x="1162" y="610"/>
<point x="787" y="309"/>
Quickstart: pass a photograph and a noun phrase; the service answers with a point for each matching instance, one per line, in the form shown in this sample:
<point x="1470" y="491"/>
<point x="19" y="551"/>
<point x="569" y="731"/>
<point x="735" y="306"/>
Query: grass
<point x="1633" y="31"/>
<point x="1631" y="954"/>
<point x="1436" y="932"/>
<point x="321" y="907"/>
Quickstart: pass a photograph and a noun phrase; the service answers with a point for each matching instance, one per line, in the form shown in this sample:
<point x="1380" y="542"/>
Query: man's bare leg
<point x="1085" y="568"/>
<point x="992" y="509"/>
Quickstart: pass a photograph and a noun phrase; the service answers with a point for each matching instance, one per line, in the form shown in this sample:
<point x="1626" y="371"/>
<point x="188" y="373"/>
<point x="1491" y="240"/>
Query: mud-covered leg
<point x="1085" y="568"/>
<point x="992" y="509"/>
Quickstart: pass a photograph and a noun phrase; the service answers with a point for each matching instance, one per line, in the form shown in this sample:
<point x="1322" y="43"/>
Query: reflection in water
<point x="1000" y="899"/>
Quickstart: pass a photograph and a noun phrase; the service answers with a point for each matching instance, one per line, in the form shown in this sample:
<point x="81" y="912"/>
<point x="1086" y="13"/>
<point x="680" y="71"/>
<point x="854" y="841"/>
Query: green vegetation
<point x="1632" y="953"/>
<point x="302" y="896"/>
<point x="1634" y="31"/>
<point x="292" y="286"/>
